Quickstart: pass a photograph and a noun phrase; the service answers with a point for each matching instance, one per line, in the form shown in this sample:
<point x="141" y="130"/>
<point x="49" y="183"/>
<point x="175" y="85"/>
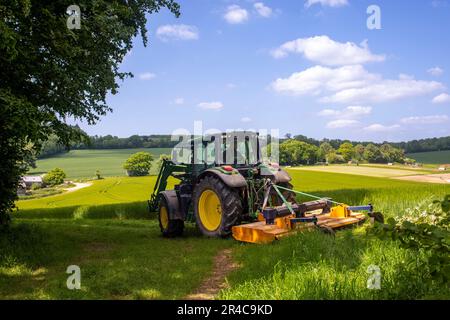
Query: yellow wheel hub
<point x="164" y="217"/>
<point x="210" y="210"/>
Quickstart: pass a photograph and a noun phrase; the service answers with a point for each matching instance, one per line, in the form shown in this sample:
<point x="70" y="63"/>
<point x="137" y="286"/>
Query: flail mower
<point x="226" y="189"/>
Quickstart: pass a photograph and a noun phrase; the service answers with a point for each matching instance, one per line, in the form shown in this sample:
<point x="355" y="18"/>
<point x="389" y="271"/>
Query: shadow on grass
<point x="119" y="259"/>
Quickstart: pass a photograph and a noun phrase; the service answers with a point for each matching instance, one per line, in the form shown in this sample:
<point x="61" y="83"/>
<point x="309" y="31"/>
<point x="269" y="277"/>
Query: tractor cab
<point x="238" y="149"/>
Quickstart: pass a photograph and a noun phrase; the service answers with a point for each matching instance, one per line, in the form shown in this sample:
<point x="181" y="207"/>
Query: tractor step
<point x="261" y="232"/>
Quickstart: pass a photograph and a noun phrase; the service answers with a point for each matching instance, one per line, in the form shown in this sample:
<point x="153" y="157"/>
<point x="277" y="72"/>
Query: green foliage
<point x="35" y="186"/>
<point x="294" y="152"/>
<point x="391" y="154"/>
<point x="333" y="157"/>
<point x="427" y="228"/>
<point x="359" y="152"/>
<point x="51" y="73"/>
<point x="54" y="177"/>
<point x="139" y="164"/>
<point x="347" y="151"/>
<point x="98" y="174"/>
<point x="373" y="154"/>
<point x="324" y="150"/>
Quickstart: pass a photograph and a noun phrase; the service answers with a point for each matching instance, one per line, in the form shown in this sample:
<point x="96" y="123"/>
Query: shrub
<point x="138" y="164"/>
<point x="35" y="186"/>
<point x="424" y="228"/>
<point x="54" y="177"/>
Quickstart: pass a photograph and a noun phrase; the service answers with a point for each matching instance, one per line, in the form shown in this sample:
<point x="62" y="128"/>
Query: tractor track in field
<point x="211" y="286"/>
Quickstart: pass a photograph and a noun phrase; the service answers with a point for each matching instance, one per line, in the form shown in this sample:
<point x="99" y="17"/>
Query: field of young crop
<point x="85" y="163"/>
<point x="433" y="157"/>
<point x="104" y="230"/>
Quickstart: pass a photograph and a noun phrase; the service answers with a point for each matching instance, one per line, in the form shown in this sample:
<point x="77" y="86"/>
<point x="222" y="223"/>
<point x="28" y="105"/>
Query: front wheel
<point x="169" y="227"/>
<point x="217" y="207"/>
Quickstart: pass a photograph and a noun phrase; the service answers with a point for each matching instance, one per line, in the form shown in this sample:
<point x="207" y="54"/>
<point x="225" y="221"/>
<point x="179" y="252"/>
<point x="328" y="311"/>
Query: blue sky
<point x="308" y="67"/>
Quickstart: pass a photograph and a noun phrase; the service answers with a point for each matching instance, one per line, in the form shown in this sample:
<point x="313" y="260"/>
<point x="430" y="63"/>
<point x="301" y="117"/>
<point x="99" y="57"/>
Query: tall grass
<point x="312" y="265"/>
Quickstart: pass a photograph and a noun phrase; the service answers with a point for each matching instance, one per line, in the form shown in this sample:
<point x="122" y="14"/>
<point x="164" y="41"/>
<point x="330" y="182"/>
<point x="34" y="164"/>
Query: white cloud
<point x="246" y="119"/>
<point x="231" y="85"/>
<point x="376" y="127"/>
<point x="147" y="76"/>
<point x="351" y="112"/>
<point x="179" y="101"/>
<point x="342" y="123"/>
<point x="328" y="52"/>
<point x="215" y="105"/>
<point x="262" y="9"/>
<point x="318" y="79"/>
<point x="177" y="32"/>
<point x="435" y="119"/>
<point x="436" y="71"/>
<point x="352" y="84"/>
<point x="235" y="14"/>
<point x="442" y="98"/>
<point x="327" y="3"/>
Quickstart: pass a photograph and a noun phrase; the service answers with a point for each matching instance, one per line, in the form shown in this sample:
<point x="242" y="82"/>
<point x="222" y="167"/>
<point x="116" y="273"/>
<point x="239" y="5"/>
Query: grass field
<point x="122" y="256"/>
<point x="433" y="157"/>
<point x="84" y="163"/>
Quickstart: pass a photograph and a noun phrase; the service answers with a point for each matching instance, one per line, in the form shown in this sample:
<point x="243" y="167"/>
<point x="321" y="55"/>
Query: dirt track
<point x="210" y="287"/>
<point x="431" y="178"/>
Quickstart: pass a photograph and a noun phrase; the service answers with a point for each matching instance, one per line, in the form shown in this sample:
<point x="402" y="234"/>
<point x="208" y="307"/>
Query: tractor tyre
<point x="217" y="207"/>
<point x="170" y="228"/>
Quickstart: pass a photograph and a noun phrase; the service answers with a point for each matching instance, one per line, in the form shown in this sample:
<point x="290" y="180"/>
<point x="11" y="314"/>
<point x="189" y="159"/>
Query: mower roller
<point x="226" y="189"/>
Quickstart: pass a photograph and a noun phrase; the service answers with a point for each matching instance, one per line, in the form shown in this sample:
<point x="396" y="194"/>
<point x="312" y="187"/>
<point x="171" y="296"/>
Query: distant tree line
<point x="422" y="145"/>
<point x="52" y="146"/>
<point x="295" y="152"/>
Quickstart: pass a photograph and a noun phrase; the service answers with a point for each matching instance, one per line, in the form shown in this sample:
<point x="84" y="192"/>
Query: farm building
<point x="30" y="180"/>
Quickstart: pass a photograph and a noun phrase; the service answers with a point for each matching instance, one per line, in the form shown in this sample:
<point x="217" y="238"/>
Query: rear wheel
<point x="169" y="227"/>
<point x="217" y="207"/>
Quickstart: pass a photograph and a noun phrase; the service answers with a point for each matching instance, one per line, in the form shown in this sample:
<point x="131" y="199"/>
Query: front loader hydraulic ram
<point x="289" y="218"/>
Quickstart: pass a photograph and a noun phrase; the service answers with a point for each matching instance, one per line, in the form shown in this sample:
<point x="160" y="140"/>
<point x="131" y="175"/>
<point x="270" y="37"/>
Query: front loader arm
<point x="167" y="169"/>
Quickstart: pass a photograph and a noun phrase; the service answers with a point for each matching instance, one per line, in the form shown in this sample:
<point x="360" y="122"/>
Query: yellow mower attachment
<point x="261" y="232"/>
<point x="276" y="222"/>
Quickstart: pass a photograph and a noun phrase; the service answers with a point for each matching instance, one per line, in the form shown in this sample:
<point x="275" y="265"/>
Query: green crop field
<point x="107" y="231"/>
<point x="84" y="163"/>
<point x="433" y="157"/>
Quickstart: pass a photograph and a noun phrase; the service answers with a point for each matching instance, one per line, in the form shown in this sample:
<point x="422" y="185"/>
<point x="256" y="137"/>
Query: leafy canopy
<point x="50" y="74"/>
<point x="138" y="164"/>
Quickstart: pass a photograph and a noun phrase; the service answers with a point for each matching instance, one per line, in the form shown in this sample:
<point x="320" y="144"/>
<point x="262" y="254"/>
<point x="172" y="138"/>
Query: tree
<point x="324" y="150"/>
<point x="54" y="177"/>
<point x="359" y="151"/>
<point x="294" y="152"/>
<point x="373" y="154"/>
<point x="50" y="73"/>
<point x="346" y="151"/>
<point x="391" y="154"/>
<point x="138" y="164"/>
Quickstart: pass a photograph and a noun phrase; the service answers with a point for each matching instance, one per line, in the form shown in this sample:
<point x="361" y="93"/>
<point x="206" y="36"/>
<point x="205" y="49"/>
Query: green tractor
<point x="226" y="188"/>
<point x="222" y="183"/>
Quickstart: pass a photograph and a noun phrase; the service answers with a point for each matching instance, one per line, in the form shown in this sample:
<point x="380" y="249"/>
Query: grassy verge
<point x="118" y="260"/>
<point x="316" y="266"/>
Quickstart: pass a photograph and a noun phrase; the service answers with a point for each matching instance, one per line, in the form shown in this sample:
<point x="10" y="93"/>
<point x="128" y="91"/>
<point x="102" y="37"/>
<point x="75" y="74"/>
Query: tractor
<point x="225" y="187"/>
